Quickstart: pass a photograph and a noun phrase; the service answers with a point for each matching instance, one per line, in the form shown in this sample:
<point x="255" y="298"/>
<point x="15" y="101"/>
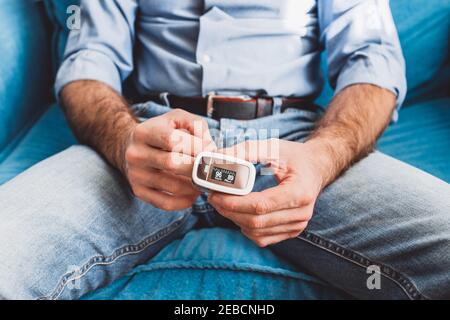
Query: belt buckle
<point x="212" y="96"/>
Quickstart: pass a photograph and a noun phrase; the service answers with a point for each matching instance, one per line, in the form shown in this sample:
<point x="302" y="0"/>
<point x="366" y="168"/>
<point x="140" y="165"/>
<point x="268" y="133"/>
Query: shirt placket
<point x="212" y="34"/>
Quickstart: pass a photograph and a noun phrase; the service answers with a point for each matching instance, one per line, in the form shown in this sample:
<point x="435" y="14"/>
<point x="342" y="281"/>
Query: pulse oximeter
<point x="223" y="173"/>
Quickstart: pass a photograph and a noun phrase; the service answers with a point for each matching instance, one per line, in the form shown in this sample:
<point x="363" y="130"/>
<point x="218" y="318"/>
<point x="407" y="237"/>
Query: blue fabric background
<point x="424" y="27"/>
<point x="24" y="69"/>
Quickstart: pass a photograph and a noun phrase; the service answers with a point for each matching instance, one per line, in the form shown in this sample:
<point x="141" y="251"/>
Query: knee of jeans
<point x="39" y="255"/>
<point x="67" y="210"/>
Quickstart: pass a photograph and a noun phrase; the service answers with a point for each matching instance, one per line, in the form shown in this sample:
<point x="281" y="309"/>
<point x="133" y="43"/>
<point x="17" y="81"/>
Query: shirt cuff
<point x="377" y="69"/>
<point x="88" y="65"/>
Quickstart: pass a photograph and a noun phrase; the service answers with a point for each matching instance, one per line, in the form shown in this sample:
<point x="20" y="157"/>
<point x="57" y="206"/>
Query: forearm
<point x="99" y="117"/>
<point x="355" y="119"/>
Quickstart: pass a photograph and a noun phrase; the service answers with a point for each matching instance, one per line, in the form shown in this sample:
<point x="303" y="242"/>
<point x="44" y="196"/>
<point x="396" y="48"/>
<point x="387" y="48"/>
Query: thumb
<point x="194" y="125"/>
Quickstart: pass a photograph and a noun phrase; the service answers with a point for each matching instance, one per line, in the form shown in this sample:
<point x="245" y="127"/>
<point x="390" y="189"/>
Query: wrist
<point x="122" y="146"/>
<point x="324" y="160"/>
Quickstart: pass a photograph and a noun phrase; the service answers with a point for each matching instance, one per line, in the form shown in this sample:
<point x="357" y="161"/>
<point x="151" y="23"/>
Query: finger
<point x="279" y="229"/>
<point x="175" y="163"/>
<point x="251" y="221"/>
<point x="194" y="124"/>
<point x="270" y="240"/>
<point x="167" y="138"/>
<point x="162" y="181"/>
<point x="189" y="144"/>
<point x="163" y="200"/>
<point x="281" y="197"/>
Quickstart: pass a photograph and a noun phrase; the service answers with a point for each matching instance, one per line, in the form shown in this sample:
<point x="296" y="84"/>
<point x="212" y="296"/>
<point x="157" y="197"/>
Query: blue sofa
<point x="213" y="263"/>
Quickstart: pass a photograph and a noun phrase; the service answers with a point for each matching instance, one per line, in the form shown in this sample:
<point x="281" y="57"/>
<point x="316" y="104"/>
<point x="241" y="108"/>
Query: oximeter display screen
<point x="223" y="175"/>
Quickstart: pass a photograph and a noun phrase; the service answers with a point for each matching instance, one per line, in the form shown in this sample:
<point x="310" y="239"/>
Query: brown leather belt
<point x="233" y="107"/>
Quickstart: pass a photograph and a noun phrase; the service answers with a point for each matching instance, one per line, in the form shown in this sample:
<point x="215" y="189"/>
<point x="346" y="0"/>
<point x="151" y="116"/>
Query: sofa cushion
<point x="422" y="137"/>
<point x="25" y="79"/>
<point x="424" y="31"/>
<point x="424" y="28"/>
<point x="57" y="12"/>
<point x="47" y="137"/>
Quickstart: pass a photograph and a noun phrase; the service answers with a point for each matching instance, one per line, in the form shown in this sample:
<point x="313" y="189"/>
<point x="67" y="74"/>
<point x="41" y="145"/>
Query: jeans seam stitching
<point x="100" y="260"/>
<point x="306" y="236"/>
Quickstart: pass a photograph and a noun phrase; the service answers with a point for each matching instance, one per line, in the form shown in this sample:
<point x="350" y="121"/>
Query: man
<point x="93" y="212"/>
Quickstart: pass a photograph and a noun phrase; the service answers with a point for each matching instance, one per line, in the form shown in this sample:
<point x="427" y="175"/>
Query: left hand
<point x="281" y="212"/>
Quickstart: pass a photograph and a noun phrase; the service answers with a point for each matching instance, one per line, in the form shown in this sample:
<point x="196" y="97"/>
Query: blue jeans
<point x="72" y="219"/>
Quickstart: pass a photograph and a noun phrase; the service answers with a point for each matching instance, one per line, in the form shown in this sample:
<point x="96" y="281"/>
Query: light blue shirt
<point x="272" y="47"/>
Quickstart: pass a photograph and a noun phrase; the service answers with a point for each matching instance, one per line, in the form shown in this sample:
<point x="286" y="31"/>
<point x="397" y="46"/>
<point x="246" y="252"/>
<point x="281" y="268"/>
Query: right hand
<point x="159" y="157"/>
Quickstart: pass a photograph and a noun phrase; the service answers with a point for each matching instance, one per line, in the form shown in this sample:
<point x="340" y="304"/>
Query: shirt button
<point x="206" y="58"/>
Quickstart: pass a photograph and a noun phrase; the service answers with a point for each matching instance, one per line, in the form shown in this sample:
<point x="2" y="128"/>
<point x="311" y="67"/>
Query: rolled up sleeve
<point x="102" y="49"/>
<point x="362" y="45"/>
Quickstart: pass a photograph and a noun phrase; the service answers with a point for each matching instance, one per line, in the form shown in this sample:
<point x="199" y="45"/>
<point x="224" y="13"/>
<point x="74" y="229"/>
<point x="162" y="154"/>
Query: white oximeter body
<point x="223" y="173"/>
